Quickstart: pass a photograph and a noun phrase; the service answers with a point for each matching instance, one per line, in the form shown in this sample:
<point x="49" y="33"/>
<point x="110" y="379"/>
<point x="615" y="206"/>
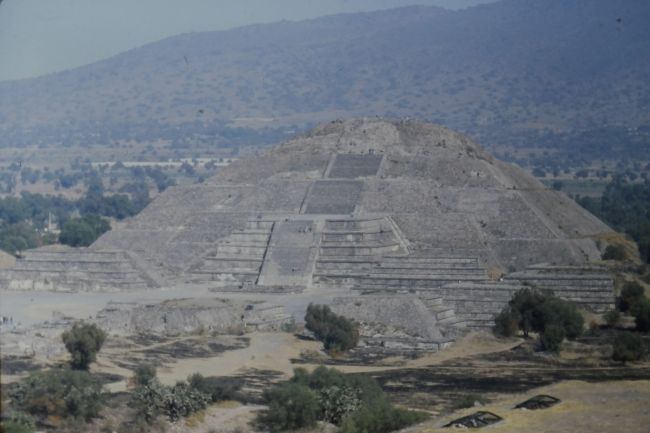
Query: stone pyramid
<point x="365" y="206"/>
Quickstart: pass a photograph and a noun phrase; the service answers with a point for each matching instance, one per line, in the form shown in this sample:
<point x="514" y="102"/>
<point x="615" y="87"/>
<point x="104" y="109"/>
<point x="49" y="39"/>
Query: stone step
<point x="53" y="283"/>
<point x="354" y="250"/>
<point x="445" y="313"/>
<point x="432" y="302"/>
<point x="433" y="260"/>
<point x="332" y="267"/>
<point x="207" y="277"/>
<point x="226" y="270"/>
<point x="234" y="259"/>
<point x="97" y="275"/>
<point x="359" y="280"/>
<point x="450" y="321"/>
<point x="347" y="225"/>
<point x="230" y="250"/>
<point x="259" y="225"/>
<point x="85" y="256"/>
<point x="358" y="237"/>
<point x="382" y="272"/>
<point x="247" y="238"/>
<point x="229" y="272"/>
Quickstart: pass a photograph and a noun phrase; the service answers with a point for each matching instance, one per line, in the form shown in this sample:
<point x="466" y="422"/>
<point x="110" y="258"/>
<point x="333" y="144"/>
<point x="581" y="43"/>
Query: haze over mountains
<point x="492" y="71"/>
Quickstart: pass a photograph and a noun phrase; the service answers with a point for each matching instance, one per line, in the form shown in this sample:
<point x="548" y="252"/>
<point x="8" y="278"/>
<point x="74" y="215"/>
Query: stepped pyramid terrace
<point x="399" y="224"/>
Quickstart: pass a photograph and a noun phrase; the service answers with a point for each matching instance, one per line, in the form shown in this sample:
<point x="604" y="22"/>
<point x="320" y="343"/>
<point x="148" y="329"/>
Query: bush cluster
<point x="81" y="232"/>
<point x="532" y="310"/>
<point x="337" y="333"/>
<point x="18" y="423"/>
<point x="58" y="393"/>
<point x="633" y="301"/>
<point x="152" y="399"/>
<point x="628" y="347"/>
<point x="175" y="402"/>
<point x="615" y="252"/>
<point x="354" y="403"/>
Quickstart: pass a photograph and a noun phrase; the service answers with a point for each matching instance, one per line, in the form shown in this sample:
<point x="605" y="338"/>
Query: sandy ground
<point x="224" y="417"/>
<point x="606" y="407"/>
<point x="274" y="351"/>
<point x="586" y="407"/>
<point x="267" y="351"/>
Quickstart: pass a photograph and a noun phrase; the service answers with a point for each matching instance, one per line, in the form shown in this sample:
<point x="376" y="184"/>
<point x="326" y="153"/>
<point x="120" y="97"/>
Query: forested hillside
<point x="516" y="68"/>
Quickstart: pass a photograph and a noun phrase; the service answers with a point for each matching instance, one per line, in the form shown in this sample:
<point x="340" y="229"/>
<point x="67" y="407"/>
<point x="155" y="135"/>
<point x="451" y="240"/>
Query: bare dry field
<point x="604" y="407"/>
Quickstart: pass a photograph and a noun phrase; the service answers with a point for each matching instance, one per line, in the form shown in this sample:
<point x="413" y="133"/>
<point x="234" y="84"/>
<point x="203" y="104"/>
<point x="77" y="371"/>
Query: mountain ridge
<point x="506" y="66"/>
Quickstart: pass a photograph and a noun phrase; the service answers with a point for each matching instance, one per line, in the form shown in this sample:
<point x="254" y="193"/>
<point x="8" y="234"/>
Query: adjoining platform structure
<point x="366" y="209"/>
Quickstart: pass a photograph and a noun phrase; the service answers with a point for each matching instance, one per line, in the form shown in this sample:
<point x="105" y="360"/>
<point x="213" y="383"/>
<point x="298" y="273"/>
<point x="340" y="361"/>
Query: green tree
<point x="564" y="314"/>
<point x="354" y="402"/>
<point x="540" y="311"/>
<point x="83" y="342"/>
<point x="615" y="252"/>
<point x="81" y="232"/>
<point x="627" y="347"/>
<point x="552" y="337"/>
<point x="291" y="406"/>
<point x="525" y="305"/>
<point x="612" y="318"/>
<point x="631" y="294"/>
<point x="144" y="374"/>
<point x="642" y="315"/>
<point x="336" y="332"/>
<point x="507" y="322"/>
<point x="18" y="237"/>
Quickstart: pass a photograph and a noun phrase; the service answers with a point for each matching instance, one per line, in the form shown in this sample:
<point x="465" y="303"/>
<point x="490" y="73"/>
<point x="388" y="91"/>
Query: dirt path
<point x="266" y="351"/>
<point x="273" y="351"/>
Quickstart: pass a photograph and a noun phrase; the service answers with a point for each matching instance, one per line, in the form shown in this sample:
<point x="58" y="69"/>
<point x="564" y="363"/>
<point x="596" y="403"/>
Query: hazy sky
<point x="43" y="36"/>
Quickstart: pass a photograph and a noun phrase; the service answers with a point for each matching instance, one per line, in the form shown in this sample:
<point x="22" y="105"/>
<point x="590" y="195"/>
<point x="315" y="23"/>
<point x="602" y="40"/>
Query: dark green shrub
<point x="18" y="237"/>
<point x="337" y="402"/>
<point x="552" y="337"/>
<point x="83" y="342"/>
<point x="356" y="402"/>
<point x="628" y="347"/>
<point x="380" y="418"/>
<point x="216" y="388"/>
<point x="612" y="318"/>
<point x="291" y="406"/>
<point x="322" y="378"/>
<point x="525" y="303"/>
<point x="18" y="423"/>
<point x="61" y="393"/>
<point x="81" y="232"/>
<point x="506" y="323"/>
<point x="175" y="402"/>
<point x="561" y="313"/>
<point x="148" y="399"/>
<point x="642" y="315"/>
<point x="615" y="252"/>
<point x="631" y="294"/>
<point x="336" y="332"/>
<point x="144" y="374"/>
<point x="184" y="401"/>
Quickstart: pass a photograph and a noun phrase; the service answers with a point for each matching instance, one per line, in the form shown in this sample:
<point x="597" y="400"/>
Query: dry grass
<point x="586" y="407"/>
